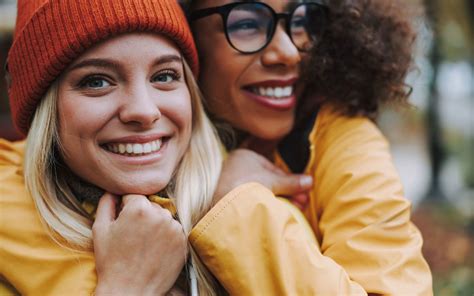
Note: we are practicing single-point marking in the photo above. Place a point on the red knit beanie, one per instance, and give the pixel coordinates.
(50, 34)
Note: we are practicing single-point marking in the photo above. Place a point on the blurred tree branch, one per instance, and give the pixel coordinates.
(435, 141)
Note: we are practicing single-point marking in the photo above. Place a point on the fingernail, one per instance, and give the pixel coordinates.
(306, 181)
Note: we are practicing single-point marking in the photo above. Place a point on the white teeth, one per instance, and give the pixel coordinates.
(134, 148)
(270, 92)
(157, 144)
(276, 92)
(137, 149)
(147, 148)
(121, 148)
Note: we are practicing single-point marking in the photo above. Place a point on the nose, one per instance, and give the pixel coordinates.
(281, 51)
(140, 106)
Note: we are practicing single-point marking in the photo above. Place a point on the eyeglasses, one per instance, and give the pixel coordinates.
(249, 26)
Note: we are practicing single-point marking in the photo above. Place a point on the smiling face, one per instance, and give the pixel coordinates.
(125, 114)
(253, 92)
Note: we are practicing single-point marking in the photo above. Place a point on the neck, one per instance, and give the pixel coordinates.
(83, 190)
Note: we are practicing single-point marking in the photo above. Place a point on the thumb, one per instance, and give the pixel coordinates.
(106, 211)
(289, 185)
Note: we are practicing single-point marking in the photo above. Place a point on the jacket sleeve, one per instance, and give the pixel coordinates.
(360, 214)
(30, 260)
(254, 245)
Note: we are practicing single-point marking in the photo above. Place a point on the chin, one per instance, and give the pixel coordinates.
(142, 188)
(271, 132)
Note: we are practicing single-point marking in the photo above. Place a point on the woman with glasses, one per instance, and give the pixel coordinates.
(299, 82)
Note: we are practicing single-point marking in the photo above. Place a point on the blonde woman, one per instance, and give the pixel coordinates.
(110, 108)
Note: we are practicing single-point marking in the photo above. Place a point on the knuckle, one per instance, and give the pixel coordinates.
(139, 209)
(176, 226)
(164, 214)
(176, 230)
(179, 236)
(298, 184)
(160, 217)
(96, 229)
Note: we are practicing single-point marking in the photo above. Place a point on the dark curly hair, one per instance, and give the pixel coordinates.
(363, 57)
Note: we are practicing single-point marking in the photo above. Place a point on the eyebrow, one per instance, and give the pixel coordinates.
(111, 64)
(99, 63)
(166, 59)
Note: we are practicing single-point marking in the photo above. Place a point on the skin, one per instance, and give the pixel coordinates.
(243, 166)
(128, 89)
(125, 242)
(225, 74)
(223, 77)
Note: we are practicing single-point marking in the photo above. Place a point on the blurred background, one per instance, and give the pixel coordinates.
(432, 143)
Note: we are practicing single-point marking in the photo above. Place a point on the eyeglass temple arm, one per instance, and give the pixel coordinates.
(195, 15)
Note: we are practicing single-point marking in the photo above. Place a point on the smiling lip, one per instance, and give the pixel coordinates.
(137, 150)
(274, 94)
(136, 139)
(274, 83)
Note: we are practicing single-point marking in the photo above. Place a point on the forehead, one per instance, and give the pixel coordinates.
(277, 5)
(133, 42)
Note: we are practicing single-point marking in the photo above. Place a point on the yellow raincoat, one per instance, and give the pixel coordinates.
(357, 210)
(251, 241)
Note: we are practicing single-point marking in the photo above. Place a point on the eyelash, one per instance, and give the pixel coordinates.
(83, 83)
(174, 74)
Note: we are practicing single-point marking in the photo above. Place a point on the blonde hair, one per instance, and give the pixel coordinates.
(195, 178)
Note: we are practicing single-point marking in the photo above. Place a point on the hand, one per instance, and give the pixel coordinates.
(140, 252)
(243, 166)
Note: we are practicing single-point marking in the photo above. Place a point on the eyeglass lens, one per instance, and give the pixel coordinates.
(250, 26)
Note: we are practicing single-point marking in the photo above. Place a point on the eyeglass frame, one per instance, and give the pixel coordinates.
(225, 10)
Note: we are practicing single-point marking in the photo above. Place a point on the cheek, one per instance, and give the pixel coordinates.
(219, 83)
(74, 121)
(70, 126)
(180, 114)
(220, 68)
(186, 119)
(79, 122)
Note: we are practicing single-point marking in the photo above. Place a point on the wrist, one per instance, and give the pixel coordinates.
(104, 289)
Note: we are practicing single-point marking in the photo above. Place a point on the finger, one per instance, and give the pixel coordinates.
(298, 205)
(106, 210)
(132, 198)
(290, 185)
(270, 166)
(306, 182)
(131, 203)
(300, 200)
